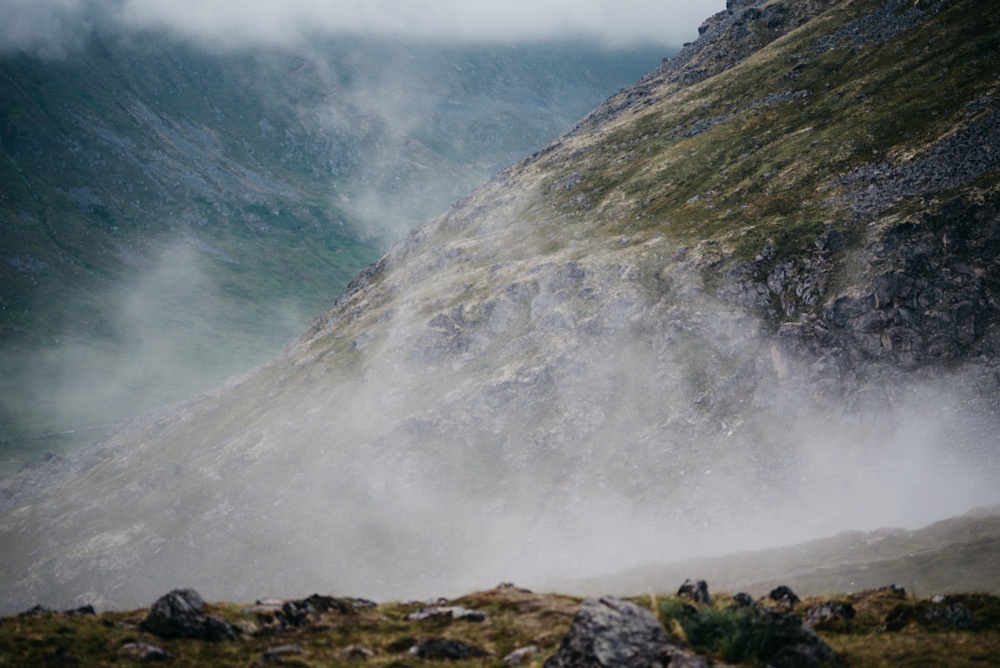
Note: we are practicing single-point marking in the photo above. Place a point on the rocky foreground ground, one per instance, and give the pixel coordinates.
(516, 627)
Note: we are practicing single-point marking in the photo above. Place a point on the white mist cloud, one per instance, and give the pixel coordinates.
(51, 25)
(46, 27)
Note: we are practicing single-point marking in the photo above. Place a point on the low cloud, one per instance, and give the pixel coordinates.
(50, 26)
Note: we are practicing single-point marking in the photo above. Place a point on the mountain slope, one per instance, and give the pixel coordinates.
(170, 216)
(750, 300)
(955, 555)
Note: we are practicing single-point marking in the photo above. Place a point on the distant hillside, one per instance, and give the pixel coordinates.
(961, 554)
(171, 217)
(750, 301)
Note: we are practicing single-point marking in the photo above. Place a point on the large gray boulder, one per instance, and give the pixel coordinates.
(179, 615)
(609, 632)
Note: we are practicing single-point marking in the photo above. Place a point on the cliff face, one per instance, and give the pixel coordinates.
(750, 300)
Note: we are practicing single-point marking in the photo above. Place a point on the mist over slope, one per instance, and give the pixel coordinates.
(171, 215)
(749, 301)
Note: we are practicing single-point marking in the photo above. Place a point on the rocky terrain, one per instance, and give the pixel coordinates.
(511, 626)
(170, 215)
(749, 302)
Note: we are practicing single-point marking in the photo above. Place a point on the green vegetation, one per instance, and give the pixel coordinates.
(888, 627)
(749, 154)
(728, 633)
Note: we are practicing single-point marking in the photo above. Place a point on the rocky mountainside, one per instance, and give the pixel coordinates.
(750, 301)
(171, 216)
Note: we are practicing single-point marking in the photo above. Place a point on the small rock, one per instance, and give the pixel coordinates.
(955, 615)
(356, 653)
(784, 596)
(36, 611)
(140, 651)
(445, 649)
(520, 655)
(696, 591)
(454, 612)
(276, 653)
(829, 611)
(512, 586)
(86, 610)
(743, 600)
(298, 613)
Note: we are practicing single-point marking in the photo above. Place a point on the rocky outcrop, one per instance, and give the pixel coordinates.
(179, 614)
(724, 40)
(611, 633)
(931, 300)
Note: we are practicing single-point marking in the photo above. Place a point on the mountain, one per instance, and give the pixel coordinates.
(172, 216)
(959, 554)
(748, 301)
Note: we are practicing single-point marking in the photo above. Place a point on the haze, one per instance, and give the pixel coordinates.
(52, 27)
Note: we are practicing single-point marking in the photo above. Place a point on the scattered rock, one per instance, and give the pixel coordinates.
(453, 612)
(37, 611)
(301, 612)
(178, 615)
(892, 590)
(610, 632)
(743, 600)
(792, 645)
(829, 611)
(511, 585)
(784, 596)
(696, 591)
(86, 610)
(445, 649)
(520, 655)
(276, 654)
(140, 651)
(954, 615)
(357, 653)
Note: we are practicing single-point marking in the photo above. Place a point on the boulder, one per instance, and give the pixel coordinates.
(143, 652)
(357, 653)
(445, 649)
(792, 645)
(178, 615)
(298, 613)
(696, 591)
(609, 632)
(521, 655)
(279, 653)
(447, 612)
(784, 596)
(829, 611)
(954, 615)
